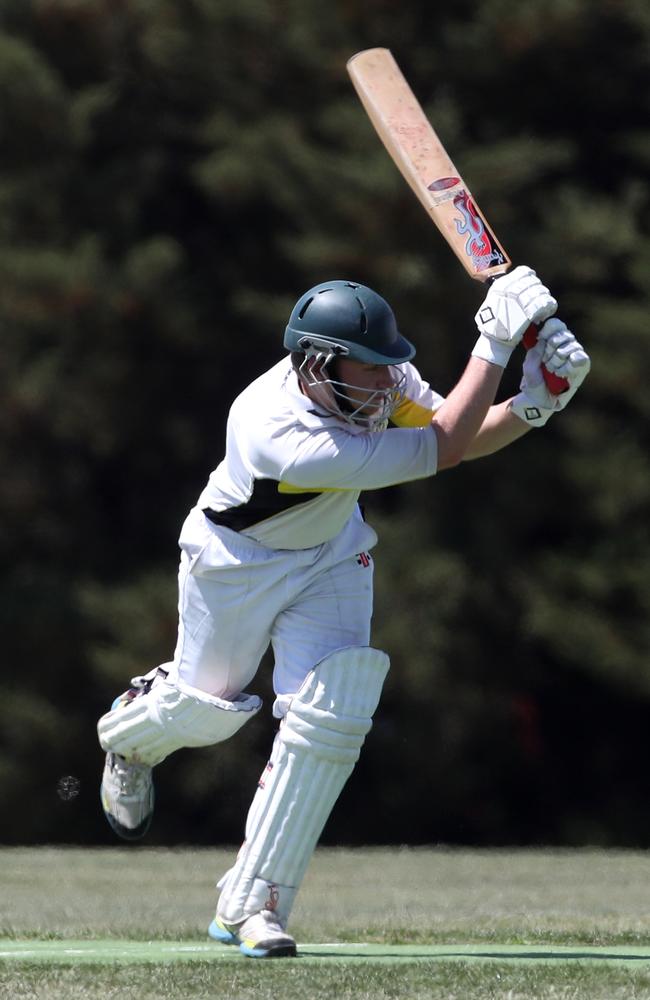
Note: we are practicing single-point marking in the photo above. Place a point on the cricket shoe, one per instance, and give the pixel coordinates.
(127, 797)
(127, 793)
(258, 936)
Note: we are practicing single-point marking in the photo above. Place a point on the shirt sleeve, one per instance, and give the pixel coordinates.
(335, 459)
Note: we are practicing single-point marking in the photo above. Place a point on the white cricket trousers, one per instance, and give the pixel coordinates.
(237, 596)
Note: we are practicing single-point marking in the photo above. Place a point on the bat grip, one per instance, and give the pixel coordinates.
(554, 383)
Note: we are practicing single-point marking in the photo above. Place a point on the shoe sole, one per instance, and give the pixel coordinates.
(137, 833)
(276, 951)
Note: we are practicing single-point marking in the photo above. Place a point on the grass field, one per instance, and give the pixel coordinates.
(385, 923)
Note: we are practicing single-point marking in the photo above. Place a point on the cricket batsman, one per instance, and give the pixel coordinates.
(276, 551)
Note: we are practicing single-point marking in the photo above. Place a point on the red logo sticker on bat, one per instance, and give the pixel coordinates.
(479, 246)
(443, 183)
(442, 189)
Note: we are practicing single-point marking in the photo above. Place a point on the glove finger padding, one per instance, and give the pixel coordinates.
(562, 355)
(568, 366)
(514, 301)
(560, 346)
(535, 404)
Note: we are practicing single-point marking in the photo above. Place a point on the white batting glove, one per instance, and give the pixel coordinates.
(560, 352)
(513, 302)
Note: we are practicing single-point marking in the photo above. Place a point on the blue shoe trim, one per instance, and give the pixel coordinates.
(221, 934)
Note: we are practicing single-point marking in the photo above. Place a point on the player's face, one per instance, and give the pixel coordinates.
(365, 378)
(359, 393)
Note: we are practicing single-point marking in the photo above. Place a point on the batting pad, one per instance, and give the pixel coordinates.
(171, 716)
(315, 751)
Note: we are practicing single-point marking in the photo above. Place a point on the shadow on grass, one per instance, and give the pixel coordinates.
(410, 954)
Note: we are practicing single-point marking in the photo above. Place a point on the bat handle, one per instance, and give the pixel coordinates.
(554, 383)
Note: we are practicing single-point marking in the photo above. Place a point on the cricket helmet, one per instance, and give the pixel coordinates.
(345, 319)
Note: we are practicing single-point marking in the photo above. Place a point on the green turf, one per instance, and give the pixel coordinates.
(291, 980)
(391, 923)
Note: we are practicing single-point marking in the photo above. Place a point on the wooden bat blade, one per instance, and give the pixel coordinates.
(425, 164)
(423, 161)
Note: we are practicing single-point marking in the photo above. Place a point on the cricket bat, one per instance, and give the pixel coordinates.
(425, 164)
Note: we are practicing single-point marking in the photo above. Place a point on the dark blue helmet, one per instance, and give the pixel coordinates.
(345, 319)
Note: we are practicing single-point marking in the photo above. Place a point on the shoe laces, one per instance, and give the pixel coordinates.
(133, 778)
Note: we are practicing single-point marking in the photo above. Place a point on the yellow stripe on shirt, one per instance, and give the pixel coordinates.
(410, 414)
(288, 488)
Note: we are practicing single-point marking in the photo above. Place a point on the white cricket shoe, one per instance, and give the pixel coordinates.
(127, 797)
(259, 936)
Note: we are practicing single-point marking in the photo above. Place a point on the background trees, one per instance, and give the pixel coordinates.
(173, 176)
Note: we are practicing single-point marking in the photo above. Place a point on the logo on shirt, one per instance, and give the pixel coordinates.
(265, 774)
(363, 559)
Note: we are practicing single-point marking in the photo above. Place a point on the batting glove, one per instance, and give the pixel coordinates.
(560, 352)
(513, 302)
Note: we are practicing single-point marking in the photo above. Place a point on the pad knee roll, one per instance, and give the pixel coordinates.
(171, 716)
(332, 712)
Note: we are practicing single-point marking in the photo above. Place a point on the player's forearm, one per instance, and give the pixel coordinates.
(499, 429)
(460, 418)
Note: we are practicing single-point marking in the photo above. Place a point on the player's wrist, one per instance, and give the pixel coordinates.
(494, 351)
(530, 411)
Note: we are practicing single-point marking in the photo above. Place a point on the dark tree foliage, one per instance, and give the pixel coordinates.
(173, 176)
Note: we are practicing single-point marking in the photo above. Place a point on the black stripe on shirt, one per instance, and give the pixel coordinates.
(264, 502)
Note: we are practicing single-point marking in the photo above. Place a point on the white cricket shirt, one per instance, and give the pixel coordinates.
(292, 474)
